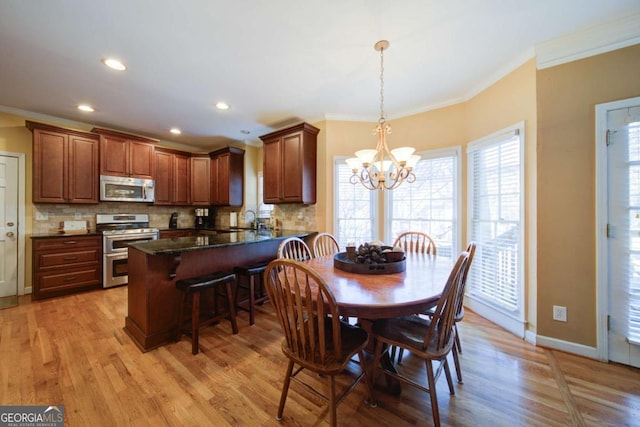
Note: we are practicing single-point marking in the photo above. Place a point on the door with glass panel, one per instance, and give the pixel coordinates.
(623, 188)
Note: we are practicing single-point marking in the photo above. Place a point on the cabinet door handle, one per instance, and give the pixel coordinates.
(69, 279)
(9, 233)
(70, 242)
(71, 258)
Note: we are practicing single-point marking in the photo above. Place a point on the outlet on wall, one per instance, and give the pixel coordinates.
(559, 313)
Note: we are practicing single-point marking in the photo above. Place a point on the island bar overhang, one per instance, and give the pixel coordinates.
(153, 300)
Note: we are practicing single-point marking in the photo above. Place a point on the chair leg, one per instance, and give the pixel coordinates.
(456, 362)
(195, 322)
(285, 390)
(181, 317)
(252, 299)
(447, 373)
(400, 354)
(432, 393)
(232, 309)
(457, 342)
(332, 401)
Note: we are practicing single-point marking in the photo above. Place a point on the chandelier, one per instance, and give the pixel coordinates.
(382, 168)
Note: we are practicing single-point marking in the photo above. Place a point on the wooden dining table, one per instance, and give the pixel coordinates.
(383, 296)
(368, 297)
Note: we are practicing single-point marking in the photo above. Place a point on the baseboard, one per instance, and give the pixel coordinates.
(566, 346)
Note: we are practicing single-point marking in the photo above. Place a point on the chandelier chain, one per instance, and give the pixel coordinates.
(382, 118)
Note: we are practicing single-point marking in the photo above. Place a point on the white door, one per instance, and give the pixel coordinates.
(8, 230)
(623, 188)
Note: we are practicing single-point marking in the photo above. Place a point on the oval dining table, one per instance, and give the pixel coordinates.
(383, 296)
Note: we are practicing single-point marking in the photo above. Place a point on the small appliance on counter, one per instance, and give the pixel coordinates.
(74, 227)
(204, 218)
(173, 221)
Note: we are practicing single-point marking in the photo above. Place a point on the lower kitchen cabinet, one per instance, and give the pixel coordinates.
(65, 265)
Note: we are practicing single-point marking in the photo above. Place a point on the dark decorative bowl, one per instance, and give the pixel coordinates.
(341, 262)
(393, 256)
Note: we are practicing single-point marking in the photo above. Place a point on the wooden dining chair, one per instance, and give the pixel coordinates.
(314, 336)
(459, 314)
(437, 334)
(325, 244)
(415, 242)
(294, 248)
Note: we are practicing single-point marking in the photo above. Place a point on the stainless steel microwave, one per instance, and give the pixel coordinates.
(123, 189)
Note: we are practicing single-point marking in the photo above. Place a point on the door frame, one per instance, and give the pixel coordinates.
(602, 251)
(21, 217)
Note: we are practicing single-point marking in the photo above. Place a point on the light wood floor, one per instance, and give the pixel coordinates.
(72, 351)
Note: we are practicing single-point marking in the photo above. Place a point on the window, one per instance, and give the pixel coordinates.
(495, 217)
(354, 208)
(430, 204)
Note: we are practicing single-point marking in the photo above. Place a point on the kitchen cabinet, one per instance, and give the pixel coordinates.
(65, 165)
(67, 264)
(122, 154)
(200, 180)
(172, 177)
(289, 165)
(227, 177)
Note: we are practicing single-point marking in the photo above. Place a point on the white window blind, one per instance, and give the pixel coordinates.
(495, 221)
(632, 269)
(353, 207)
(430, 204)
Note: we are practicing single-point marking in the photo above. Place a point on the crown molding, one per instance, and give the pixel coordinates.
(591, 41)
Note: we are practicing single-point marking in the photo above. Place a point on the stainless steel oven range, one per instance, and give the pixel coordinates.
(118, 231)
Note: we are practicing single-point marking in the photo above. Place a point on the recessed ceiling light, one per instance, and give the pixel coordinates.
(85, 107)
(115, 64)
(175, 131)
(222, 106)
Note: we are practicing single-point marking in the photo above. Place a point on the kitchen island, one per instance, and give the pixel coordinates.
(156, 265)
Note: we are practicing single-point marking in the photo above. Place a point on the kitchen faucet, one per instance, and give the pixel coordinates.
(253, 222)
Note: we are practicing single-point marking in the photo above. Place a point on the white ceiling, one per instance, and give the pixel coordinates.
(275, 62)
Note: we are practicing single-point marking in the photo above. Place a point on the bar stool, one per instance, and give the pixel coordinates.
(252, 273)
(219, 281)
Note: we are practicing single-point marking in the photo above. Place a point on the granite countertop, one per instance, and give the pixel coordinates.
(213, 239)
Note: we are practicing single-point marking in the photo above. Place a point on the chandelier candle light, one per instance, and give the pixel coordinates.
(382, 168)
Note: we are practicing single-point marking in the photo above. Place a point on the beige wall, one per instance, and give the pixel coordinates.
(567, 95)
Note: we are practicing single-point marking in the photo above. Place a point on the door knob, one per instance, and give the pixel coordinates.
(9, 233)
(10, 224)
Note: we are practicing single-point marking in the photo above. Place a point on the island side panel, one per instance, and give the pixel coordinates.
(153, 300)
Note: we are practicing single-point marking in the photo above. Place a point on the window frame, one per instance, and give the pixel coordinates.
(428, 155)
(373, 205)
(512, 321)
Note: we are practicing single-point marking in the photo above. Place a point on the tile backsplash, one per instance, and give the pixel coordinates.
(47, 217)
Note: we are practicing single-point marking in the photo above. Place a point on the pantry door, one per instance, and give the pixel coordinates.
(8, 231)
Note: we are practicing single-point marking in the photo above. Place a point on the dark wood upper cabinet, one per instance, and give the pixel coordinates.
(200, 180)
(65, 165)
(227, 176)
(289, 165)
(123, 154)
(173, 177)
